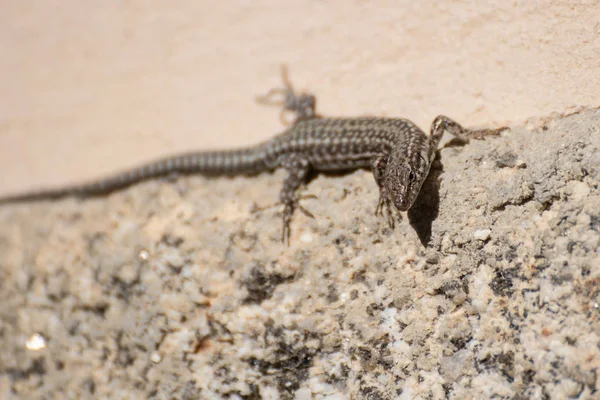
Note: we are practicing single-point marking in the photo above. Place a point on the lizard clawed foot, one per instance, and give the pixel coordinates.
(288, 211)
(256, 209)
(285, 229)
(304, 211)
(384, 209)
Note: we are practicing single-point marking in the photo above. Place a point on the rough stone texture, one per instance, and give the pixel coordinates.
(176, 289)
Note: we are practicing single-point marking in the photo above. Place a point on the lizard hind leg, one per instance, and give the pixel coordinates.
(297, 167)
(303, 104)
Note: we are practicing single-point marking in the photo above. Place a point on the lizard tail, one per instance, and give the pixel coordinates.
(233, 162)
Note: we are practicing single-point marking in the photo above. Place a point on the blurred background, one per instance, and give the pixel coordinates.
(89, 88)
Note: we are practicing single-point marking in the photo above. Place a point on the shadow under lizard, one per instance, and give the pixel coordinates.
(396, 150)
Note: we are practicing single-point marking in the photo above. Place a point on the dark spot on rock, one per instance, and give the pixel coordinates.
(184, 391)
(289, 363)
(595, 222)
(511, 253)
(172, 240)
(90, 385)
(203, 343)
(333, 294)
(450, 289)
(543, 265)
(364, 353)
(335, 379)
(380, 352)
(254, 393)
(528, 376)
(503, 362)
(342, 242)
(504, 160)
(447, 389)
(359, 276)
(373, 308)
(560, 279)
(586, 271)
(221, 372)
(460, 342)
(371, 393)
(37, 367)
(502, 284)
(260, 286)
(97, 309)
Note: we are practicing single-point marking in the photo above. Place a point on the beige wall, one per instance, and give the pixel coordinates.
(87, 88)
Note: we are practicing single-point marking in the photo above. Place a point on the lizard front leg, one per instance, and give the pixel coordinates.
(297, 167)
(378, 165)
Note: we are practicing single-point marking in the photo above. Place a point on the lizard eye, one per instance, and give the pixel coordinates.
(411, 177)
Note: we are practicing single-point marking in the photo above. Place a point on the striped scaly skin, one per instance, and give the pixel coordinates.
(396, 150)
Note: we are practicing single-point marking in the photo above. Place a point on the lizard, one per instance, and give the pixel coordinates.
(398, 153)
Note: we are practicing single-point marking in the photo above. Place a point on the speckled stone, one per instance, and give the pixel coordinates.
(489, 288)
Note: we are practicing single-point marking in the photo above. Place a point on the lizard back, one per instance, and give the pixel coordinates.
(332, 144)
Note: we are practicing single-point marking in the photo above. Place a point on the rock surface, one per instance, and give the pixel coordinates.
(489, 288)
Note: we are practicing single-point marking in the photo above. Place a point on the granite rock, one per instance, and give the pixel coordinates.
(488, 288)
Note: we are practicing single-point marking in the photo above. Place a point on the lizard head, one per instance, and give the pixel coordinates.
(403, 179)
